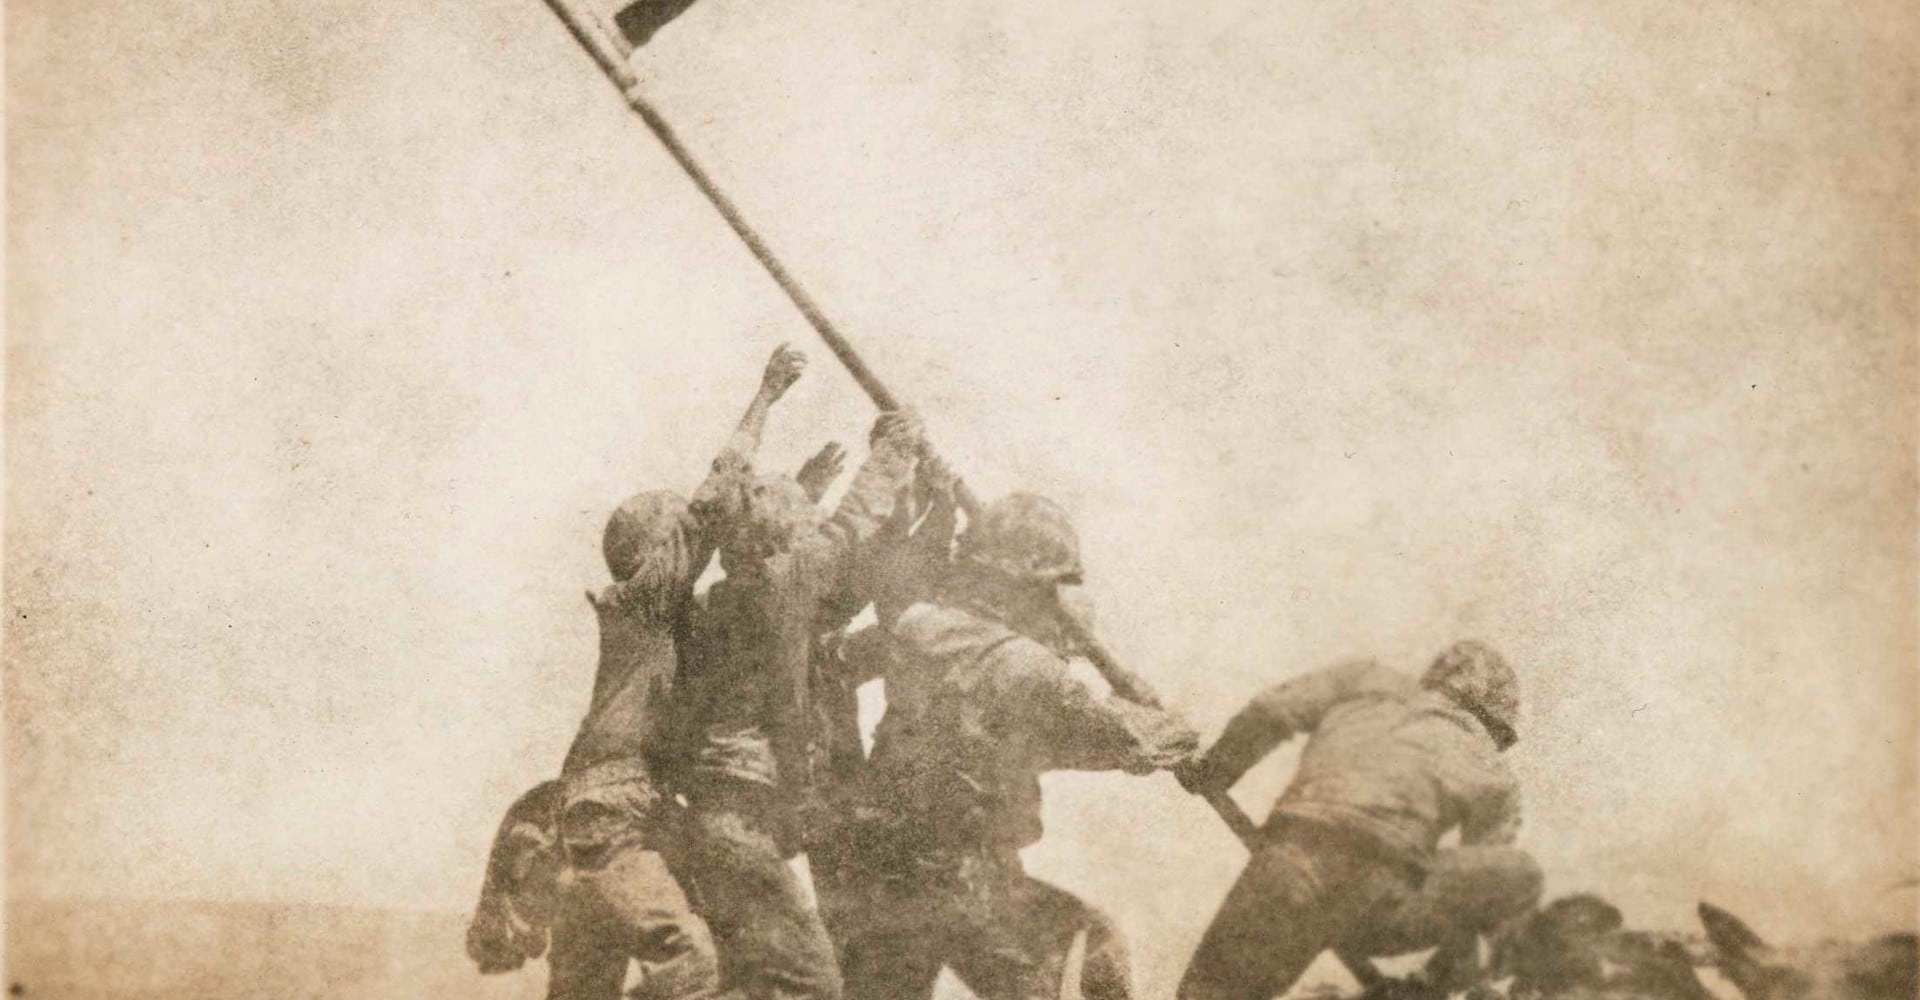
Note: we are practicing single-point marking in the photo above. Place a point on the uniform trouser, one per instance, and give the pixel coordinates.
(773, 945)
(1006, 935)
(1467, 892)
(623, 903)
(1310, 888)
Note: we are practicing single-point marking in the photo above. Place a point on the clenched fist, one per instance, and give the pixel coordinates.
(783, 370)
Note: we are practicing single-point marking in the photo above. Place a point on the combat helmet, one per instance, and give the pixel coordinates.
(1480, 681)
(1025, 537)
(648, 529)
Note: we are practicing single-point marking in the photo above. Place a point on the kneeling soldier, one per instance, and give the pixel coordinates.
(1350, 859)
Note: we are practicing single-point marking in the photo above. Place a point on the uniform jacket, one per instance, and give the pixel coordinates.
(751, 684)
(1388, 759)
(621, 743)
(976, 712)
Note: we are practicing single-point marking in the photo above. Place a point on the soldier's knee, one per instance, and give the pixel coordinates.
(1520, 885)
(1484, 886)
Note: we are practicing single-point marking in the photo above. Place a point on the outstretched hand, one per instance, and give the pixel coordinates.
(783, 370)
(819, 472)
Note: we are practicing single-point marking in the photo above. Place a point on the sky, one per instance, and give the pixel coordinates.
(335, 330)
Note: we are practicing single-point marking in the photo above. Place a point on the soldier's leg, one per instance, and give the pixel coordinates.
(580, 964)
(1297, 897)
(1468, 892)
(650, 914)
(837, 889)
(1106, 971)
(884, 921)
(891, 953)
(773, 945)
(625, 902)
(1015, 934)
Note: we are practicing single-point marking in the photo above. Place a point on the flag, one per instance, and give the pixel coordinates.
(637, 21)
(625, 25)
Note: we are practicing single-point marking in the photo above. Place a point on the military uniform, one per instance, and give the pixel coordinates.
(760, 754)
(976, 711)
(1349, 859)
(617, 823)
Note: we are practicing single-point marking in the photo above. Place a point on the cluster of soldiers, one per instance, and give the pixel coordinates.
(723, 740)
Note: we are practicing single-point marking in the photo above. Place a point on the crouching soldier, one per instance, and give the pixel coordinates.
(760, 749)
(980, 702)
(1349, 860)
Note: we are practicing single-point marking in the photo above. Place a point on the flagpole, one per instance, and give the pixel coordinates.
(613, 62)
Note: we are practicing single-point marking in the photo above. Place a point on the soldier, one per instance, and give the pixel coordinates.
(980, 702)
(609, 813)
(1350, 857)
(760, 746)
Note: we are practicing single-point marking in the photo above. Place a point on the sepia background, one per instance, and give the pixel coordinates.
(336, 329)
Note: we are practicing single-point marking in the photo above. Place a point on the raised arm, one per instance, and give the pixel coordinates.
(723, 496)
(783, 369)
(1277, 714)
(904, 560)
(937, 490)
(870, 499)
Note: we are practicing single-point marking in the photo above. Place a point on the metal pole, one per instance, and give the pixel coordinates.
(613, 62)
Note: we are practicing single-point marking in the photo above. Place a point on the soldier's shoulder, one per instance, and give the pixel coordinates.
(1367, 675)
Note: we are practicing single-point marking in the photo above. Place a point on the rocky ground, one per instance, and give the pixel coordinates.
(1577, 948)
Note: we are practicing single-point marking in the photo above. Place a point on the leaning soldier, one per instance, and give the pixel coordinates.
(980, 702)
(1350, 857)
(760, 752)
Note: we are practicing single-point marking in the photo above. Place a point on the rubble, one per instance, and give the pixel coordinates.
(1577, 948)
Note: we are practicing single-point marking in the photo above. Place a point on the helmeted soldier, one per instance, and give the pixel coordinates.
(610, 819)
(1350, 859)
(980, 702)
(759, 750)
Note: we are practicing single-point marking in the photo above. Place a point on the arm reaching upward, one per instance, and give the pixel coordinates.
(783, 369)
(897, 442)
(722, 498)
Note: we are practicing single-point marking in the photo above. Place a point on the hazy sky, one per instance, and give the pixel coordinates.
(337, 328)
